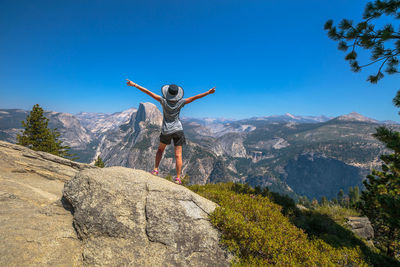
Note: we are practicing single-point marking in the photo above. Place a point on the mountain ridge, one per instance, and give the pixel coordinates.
(256, 151)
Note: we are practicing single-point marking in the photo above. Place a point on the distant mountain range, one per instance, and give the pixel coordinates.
(297, 155)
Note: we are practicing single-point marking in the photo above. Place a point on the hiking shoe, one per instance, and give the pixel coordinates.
(178, 180)
(154, 172)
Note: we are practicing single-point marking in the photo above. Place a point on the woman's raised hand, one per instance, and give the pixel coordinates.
(211, 91)
(129, 83)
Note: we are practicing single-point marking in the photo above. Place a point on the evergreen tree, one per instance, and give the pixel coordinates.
(300, 200)
(258, 190)
(346, 201)
(380, 202)
(340, 197)
(303, 200)
(351, 192)
(324, 201)
(383, 43)
(99, 162)
(39, 137)
(354, 195)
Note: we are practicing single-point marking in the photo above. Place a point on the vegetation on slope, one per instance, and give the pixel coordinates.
(263, 233)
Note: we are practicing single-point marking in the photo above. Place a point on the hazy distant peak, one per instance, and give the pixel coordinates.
(127, 111)
(287, 114)
(89, 113)
(288, 117)
(389, 122)
(354, 116)
(207, 120)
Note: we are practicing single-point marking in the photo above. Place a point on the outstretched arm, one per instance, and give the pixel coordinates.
(144, 90)
(193, 98)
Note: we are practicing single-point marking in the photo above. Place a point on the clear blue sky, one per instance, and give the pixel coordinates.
(264, 57)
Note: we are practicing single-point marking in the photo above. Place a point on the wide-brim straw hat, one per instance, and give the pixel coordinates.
(168, 91)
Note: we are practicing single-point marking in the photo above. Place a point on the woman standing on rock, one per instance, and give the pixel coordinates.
(171, 101)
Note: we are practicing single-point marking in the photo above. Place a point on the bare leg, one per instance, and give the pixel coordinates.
(160, 151)
(178, 158)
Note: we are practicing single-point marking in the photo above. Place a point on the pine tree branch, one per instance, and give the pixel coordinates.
(379, 59)
(354, 45)
(383, 63)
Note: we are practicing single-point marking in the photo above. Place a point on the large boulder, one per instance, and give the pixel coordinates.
(130, 217)
(361, 226)
(35, 228)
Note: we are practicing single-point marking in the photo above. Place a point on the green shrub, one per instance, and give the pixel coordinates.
(185, 179)
(328, 223)
(254, 228)
(337, 212)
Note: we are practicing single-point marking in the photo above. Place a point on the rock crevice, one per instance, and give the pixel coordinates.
(147, 218)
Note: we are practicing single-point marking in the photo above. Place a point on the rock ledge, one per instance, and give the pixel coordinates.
(130, 217)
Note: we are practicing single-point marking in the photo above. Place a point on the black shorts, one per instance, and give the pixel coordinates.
(179, 138)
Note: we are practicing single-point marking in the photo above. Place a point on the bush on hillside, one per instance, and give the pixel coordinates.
(185, 179)
(99, 162)
(254, 228)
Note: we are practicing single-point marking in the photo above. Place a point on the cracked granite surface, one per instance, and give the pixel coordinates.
(130, 217)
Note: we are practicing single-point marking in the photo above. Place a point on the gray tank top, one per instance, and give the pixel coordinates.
(171, 110)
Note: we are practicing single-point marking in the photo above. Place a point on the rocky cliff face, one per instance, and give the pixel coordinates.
(35, 228)
(99, 123)
(72, 132)
(148, 113)
(109, 217)
(134, 143)
(315, 175)
(232, 145)
(10, 123)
